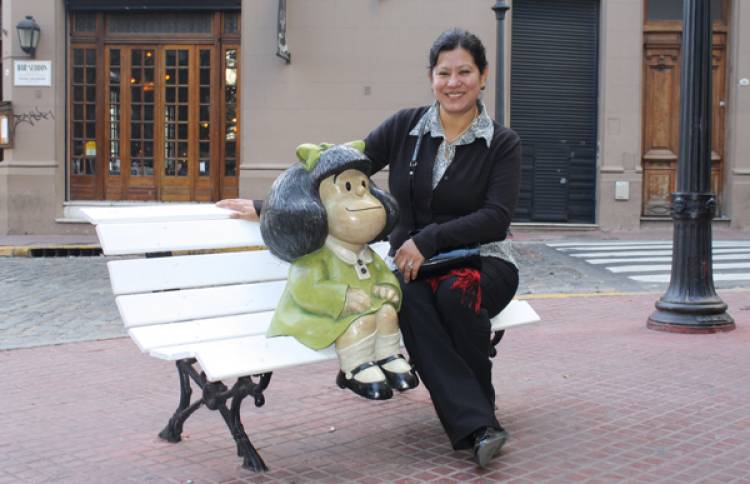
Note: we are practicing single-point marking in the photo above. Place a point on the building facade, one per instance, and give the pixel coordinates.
(168, 101)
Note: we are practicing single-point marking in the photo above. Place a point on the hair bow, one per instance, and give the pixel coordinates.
(309, 154)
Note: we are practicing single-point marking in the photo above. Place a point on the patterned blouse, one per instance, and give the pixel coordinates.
(481, 127)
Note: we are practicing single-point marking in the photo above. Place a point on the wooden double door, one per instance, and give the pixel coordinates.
(661, 126)
(164, 129)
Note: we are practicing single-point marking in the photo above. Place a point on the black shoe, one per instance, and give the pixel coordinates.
(487, 443)
(399, 381)
(379, 390)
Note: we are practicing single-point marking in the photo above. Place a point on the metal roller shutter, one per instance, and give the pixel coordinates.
(554, 90)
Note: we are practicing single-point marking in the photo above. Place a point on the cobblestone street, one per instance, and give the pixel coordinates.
(66, 299)
(55, 300)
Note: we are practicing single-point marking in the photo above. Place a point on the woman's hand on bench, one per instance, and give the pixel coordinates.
(242, 208)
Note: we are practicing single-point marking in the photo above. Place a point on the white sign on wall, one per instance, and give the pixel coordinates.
(32, 73)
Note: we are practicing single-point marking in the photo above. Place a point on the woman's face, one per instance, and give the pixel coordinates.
(354, 214)
(456, 81)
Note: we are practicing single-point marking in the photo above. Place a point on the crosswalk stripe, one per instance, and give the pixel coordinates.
(716, 243)
(644, 247)
(742, 276)
(651, 261)
(663, 259)
(618, 247)
(668, 267)
(650, 252)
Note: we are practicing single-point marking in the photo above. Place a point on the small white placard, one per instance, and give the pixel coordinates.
(4, 138)
(32, 73)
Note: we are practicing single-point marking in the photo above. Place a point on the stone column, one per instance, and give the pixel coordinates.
(620, 119)
(737, 191)
(32, 175)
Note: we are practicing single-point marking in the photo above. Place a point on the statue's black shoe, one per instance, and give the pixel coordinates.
(399, 381)
(487, 443)
(379, 390)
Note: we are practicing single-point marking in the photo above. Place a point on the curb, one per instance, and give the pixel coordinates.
(51, 250)
(89, 250)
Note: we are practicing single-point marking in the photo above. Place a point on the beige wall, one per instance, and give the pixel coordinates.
(620, 113)
(381, 46)
(33, 171)
(353, 64)
(737, 180)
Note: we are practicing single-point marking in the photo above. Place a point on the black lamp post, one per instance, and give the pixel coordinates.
(501, 6)
(28, 35)
(690, 304)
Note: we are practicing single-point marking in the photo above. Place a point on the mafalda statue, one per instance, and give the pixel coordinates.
(320, 215)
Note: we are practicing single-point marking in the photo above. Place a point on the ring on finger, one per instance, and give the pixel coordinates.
(410, 264)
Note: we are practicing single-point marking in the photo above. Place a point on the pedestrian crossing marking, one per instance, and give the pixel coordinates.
(667, 267)
(651, 261)
(716, 243)
(742, 276)
(650, 252)
(663, 259)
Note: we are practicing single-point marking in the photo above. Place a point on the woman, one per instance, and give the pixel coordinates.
(463, 191)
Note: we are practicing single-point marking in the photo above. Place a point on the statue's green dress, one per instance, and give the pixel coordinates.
(311, 305)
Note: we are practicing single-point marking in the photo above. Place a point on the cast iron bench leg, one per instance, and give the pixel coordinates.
(173, 431)
(243, 387)
(495, 340)
(215, 396)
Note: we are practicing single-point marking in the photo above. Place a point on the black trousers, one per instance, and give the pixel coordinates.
(449, 346)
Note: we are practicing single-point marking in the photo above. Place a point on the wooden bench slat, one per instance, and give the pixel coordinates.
(141, 238)
(157, 212)
(171, 334)
(209, 302)
(244, 356)
(142, 275)
(516, 313)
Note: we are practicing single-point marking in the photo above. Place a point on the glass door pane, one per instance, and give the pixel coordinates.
(142, 104)
(84, 112)
(230, 112)
(114, 112)
(176, 112)
(83, 123)
(204, 103)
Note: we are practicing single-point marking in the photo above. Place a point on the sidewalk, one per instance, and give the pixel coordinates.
(22, 245)
(588, 395)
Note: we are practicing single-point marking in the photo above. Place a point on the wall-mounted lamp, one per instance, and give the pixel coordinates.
(28, 35)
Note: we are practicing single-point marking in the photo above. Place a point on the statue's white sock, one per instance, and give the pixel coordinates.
(388, 345)
(354, 355)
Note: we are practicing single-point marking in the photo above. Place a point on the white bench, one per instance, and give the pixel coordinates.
(210, 309)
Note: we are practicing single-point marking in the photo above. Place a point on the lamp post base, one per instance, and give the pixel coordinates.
(690, 318)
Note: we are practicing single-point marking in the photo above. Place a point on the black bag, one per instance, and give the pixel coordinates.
(443, 262)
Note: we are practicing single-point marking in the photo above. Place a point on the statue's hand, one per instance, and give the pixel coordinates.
(357, 301)
(387, 293)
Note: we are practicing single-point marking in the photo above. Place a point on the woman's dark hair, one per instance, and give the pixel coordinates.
(294, 221)
(454, 38)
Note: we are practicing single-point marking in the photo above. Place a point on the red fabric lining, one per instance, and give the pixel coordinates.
(468, 281)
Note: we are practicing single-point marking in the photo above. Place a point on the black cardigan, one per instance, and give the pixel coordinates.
(475, 199)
